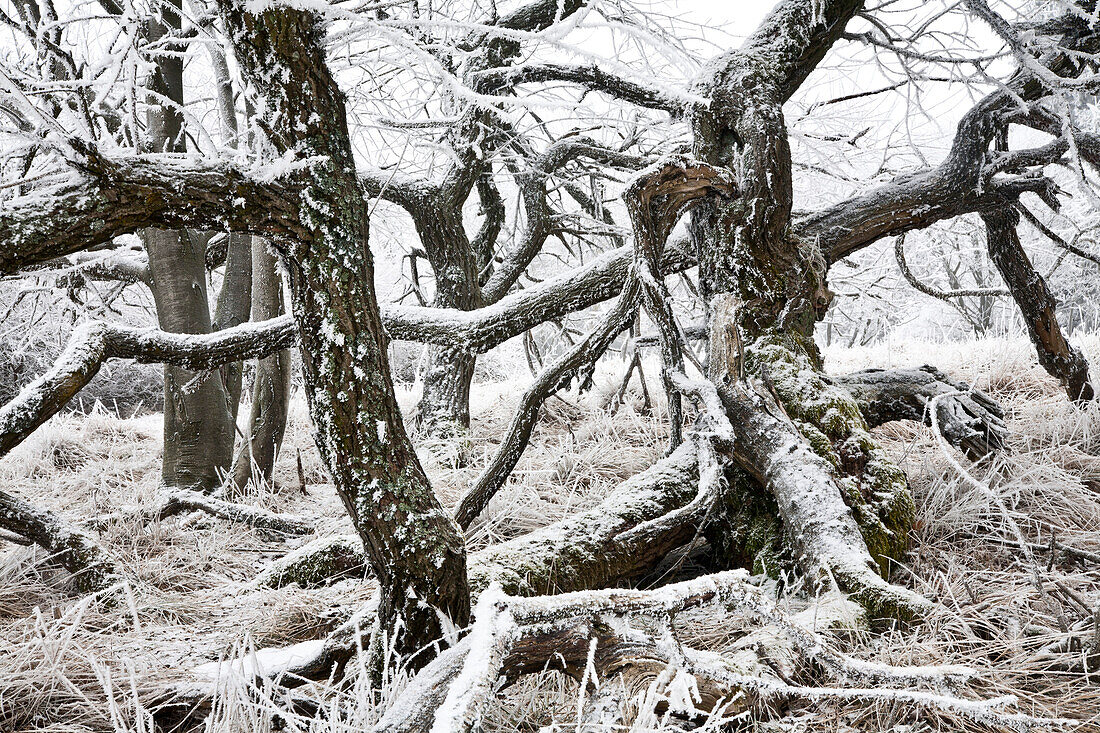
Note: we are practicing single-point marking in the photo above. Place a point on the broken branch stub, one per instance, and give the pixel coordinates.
(658, 196)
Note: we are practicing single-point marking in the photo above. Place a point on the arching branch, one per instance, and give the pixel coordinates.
(1050, 234)
(573, 363)
(899, 255)
(594, 78)
(91, 344)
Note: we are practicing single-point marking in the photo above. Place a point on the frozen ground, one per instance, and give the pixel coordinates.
(74, 664)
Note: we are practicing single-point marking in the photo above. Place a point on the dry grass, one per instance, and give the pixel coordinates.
(76, 664)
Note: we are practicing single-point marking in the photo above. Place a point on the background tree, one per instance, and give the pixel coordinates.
(198, 411)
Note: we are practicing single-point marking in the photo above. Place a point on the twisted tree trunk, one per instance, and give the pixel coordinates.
(812, 486)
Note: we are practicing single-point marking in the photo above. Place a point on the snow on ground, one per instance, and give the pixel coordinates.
(73, 664)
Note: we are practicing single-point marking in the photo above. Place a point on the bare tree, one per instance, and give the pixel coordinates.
(780, 452)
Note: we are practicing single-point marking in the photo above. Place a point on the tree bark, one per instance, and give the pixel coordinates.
(92, 568)
(198, 425)
(234, 300)
(444, 406)
(971, 421)
(198, 422)
(1061, 359)
(271, 385)
(816, 488)
(415, 548)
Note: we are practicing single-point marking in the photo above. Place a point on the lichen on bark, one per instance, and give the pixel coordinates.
(872, 485)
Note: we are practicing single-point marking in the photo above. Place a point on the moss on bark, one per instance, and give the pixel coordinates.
(750, 533)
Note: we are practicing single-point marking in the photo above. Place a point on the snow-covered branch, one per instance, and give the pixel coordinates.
(125, 194)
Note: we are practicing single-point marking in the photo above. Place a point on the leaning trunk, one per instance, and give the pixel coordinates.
(1061, 359)
(415, 549)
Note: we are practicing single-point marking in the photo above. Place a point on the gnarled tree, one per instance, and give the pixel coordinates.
(779, 469)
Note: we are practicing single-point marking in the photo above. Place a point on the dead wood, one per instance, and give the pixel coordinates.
(70, 547)
(972, 422)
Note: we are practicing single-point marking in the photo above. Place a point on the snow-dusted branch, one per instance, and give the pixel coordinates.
(91, 344)
(258, 517)
(121, 195)
(478, 331)
(970, 179)
(594, 78)
(573, 363)
(903, 265)
(69, 546)
(1060, 358)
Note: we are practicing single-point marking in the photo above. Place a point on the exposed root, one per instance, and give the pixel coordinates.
(180, 502)
(628, 635)
(257, 517)
(824, 535)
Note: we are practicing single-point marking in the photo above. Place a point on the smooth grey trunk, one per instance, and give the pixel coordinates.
(234, 303)
(234, 300)
(198, 424)
(271, 385)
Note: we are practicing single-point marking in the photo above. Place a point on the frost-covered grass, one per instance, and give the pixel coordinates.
(79, 664)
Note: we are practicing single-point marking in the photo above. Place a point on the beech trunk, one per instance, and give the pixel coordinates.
(198, 423)
(271, 385)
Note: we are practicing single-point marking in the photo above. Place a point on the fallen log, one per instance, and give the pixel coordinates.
(92, 568)
(972, 422)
